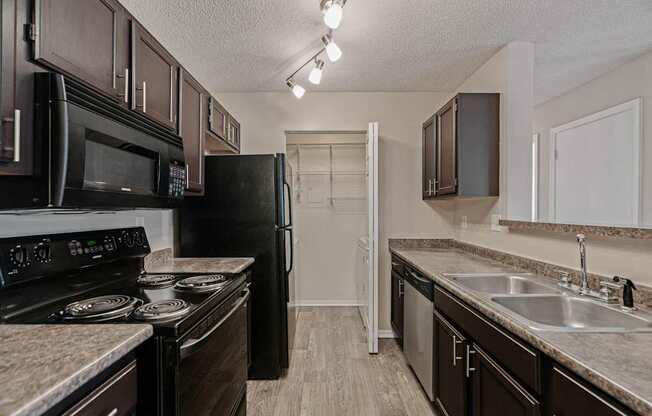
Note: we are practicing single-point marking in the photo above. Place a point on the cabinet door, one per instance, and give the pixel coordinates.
(429, 165)
(154, 90)
(449, 377)
(585, 400)
(397, 305)
(234, 133)
(10, 140)
(217, 119)
(447, 142)
(495, 392)
(84, 39)
(192, 131)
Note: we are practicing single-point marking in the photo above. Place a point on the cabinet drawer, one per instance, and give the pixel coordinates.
(585, 400)
(118, 396)
(521, 360)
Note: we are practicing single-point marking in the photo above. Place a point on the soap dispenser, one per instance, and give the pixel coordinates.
(628, 292)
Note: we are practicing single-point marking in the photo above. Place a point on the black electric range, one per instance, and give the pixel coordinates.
(200, 321)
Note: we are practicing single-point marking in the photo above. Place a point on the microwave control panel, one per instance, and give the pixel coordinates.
(177, 181)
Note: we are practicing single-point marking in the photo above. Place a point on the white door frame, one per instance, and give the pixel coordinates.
(372, 149)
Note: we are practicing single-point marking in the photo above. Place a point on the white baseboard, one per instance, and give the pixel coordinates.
(327, 302)
(386, 333)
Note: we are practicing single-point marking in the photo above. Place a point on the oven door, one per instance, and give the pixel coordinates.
(211, 375)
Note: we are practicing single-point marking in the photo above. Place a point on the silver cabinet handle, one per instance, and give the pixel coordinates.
(144, 91)
(16, 135)
(187, 175)
(125, 96)
(113, 412)
(469, 369)
(455, 357)
(401, 287)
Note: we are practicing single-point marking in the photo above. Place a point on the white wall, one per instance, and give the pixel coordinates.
(157, 223)
(623, 84)
(265, 117)
(607, 256)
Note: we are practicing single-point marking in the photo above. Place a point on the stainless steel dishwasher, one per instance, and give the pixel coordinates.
(418, 327)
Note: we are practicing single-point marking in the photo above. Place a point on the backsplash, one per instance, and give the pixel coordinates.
(158, 223)
(642, 296)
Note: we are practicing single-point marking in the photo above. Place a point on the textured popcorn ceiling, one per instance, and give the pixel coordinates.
(395, 45)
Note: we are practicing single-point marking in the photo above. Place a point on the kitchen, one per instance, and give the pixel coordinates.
(177, 164)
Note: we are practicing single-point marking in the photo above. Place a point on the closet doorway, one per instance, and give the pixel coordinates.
(335, 189)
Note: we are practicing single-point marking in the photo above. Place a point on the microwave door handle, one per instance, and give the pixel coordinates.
(58, 171)
(193, 344)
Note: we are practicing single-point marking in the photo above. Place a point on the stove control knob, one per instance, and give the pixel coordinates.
(18, 256)
(42, 252)
(127, 239)
(138, 238)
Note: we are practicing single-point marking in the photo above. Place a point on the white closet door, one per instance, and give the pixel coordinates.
(372, 183)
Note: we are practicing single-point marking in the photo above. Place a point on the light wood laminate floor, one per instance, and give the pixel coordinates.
(331, 373)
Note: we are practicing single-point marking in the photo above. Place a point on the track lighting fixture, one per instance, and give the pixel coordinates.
(315, 74)
(332, 10)
(332, 50)
(297, 89)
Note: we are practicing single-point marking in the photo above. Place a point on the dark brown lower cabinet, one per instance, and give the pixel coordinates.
(494, 391)
(397, 305)
(118, 396)
(568, 396)
(449, 378)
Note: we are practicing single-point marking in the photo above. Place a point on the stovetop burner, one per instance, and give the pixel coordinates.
(101, 308)
(156, 280)
(161, 310)
(203, 283)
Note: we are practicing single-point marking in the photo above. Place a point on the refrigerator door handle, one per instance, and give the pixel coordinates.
(291, 250)
(289, 195)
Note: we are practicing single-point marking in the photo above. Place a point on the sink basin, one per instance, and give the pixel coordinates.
(572, 314)
(501, 283)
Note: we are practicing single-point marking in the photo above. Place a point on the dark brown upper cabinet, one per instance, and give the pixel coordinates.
(11, 155)
(223, 131)
(154, 87)
(461, 148)
(217, 119)
(429, 139)
(191, 130)
(234, 133)
(88, 40)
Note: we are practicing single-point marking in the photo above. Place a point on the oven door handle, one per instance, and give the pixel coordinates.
(190, 346)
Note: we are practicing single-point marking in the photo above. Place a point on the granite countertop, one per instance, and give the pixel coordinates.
(43, 364)
(618, 363)
(163, 262)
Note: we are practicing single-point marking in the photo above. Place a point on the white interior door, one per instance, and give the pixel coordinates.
(372, 288)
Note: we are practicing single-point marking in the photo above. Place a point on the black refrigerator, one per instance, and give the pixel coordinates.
(246, 211)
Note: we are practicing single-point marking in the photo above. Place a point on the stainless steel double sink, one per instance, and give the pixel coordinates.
(546, 307)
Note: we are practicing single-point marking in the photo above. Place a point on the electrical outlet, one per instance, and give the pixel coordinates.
(465, 222)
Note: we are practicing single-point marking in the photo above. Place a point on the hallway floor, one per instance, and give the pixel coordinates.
(331, 373)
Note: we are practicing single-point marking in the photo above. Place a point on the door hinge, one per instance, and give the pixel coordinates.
(32, 31)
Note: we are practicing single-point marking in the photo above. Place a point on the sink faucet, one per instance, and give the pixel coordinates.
(584, 277)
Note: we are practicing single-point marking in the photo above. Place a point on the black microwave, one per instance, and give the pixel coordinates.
(101, 155)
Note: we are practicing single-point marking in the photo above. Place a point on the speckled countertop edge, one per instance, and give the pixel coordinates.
(566, 358)
(47, 396)
(162, 261)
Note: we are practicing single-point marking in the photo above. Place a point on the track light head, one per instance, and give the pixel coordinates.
(332, 50)
(332, 10)
(316, 73)
(296, 89)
